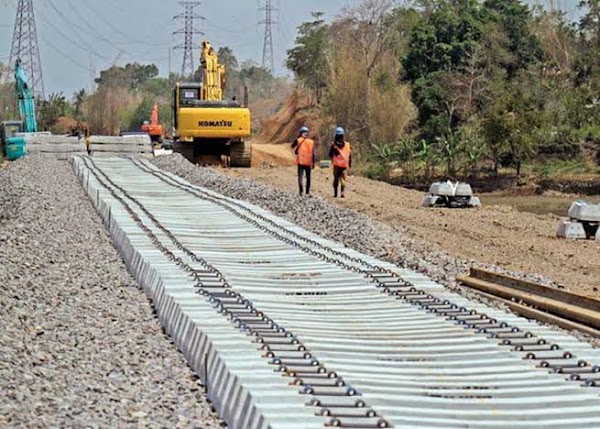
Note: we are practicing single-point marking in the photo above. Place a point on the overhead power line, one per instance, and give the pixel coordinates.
(82, 45)
(64, 55)
(84, 28)
(189, 18)
(268, 57)
(25, 47)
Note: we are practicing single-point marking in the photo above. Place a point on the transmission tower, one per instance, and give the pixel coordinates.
(189, 17)
(25, 47)
(268, 57)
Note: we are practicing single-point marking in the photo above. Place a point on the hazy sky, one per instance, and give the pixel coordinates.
(80, 37)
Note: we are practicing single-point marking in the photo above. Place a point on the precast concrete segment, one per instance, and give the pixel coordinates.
(398, 353)
(245, 391)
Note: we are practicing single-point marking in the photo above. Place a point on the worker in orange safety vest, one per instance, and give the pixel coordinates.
(341, 155)
(305, 158)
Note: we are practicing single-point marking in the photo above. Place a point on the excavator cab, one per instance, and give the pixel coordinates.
(8, 129)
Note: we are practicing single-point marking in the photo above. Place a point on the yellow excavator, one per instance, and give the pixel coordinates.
(209, 129)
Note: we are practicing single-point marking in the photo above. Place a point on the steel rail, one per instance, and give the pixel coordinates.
(386, 338)
(562, 308)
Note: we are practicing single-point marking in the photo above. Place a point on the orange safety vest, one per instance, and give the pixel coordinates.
(342, 158)
(304, 152)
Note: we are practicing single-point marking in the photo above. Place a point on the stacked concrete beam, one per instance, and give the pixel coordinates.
(59, 147)
(583, 222)
(106, 146)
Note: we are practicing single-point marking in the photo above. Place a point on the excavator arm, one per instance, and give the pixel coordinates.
(26, 102)
(213, 74)
(154, 116)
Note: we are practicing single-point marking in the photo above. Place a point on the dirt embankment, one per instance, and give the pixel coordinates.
(278, 131)
(284, 125)
(497, 235)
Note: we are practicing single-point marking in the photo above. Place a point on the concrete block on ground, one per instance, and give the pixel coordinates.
(56, 147)
(598, 234)
(474, 202)
(571, 230)
(463, 190)
(35, 139)
(444, 189)
(127, 145)
(60, 147)
(162, 152)
(140, 140)
(120, 148)
(325, 164)
(429, 201)
(582, 210)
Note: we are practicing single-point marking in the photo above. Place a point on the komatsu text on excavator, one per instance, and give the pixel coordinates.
(209, 129)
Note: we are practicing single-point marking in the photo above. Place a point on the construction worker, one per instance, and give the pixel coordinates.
(305, 157)
(341, 155)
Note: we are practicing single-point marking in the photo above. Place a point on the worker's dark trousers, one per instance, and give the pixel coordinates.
(339, 180)
(302, 169)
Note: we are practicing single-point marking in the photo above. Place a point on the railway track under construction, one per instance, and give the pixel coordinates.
(289, 330)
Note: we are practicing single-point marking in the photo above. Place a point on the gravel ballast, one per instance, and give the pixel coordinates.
(79, 343)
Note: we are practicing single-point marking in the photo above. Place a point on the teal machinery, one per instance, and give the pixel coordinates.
(11, 131)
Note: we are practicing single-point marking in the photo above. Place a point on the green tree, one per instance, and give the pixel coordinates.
(443, 40)
(441, 62)
(132, 76)
(515, 124)
(3, 70)
(79, 99)
(515, 20)
(142, 113)
(308, 59)
(425, 154)
(259, 80)
(51, 109)
(227, 58)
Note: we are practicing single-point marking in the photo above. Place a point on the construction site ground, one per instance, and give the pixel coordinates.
(498, 235)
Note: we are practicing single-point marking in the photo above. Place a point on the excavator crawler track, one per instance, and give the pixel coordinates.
(241, 155)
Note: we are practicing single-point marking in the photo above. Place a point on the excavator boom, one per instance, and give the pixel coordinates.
(154, 117)
(26, 103)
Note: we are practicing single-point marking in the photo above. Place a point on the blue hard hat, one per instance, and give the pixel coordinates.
(304, 129)
(339, 131)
